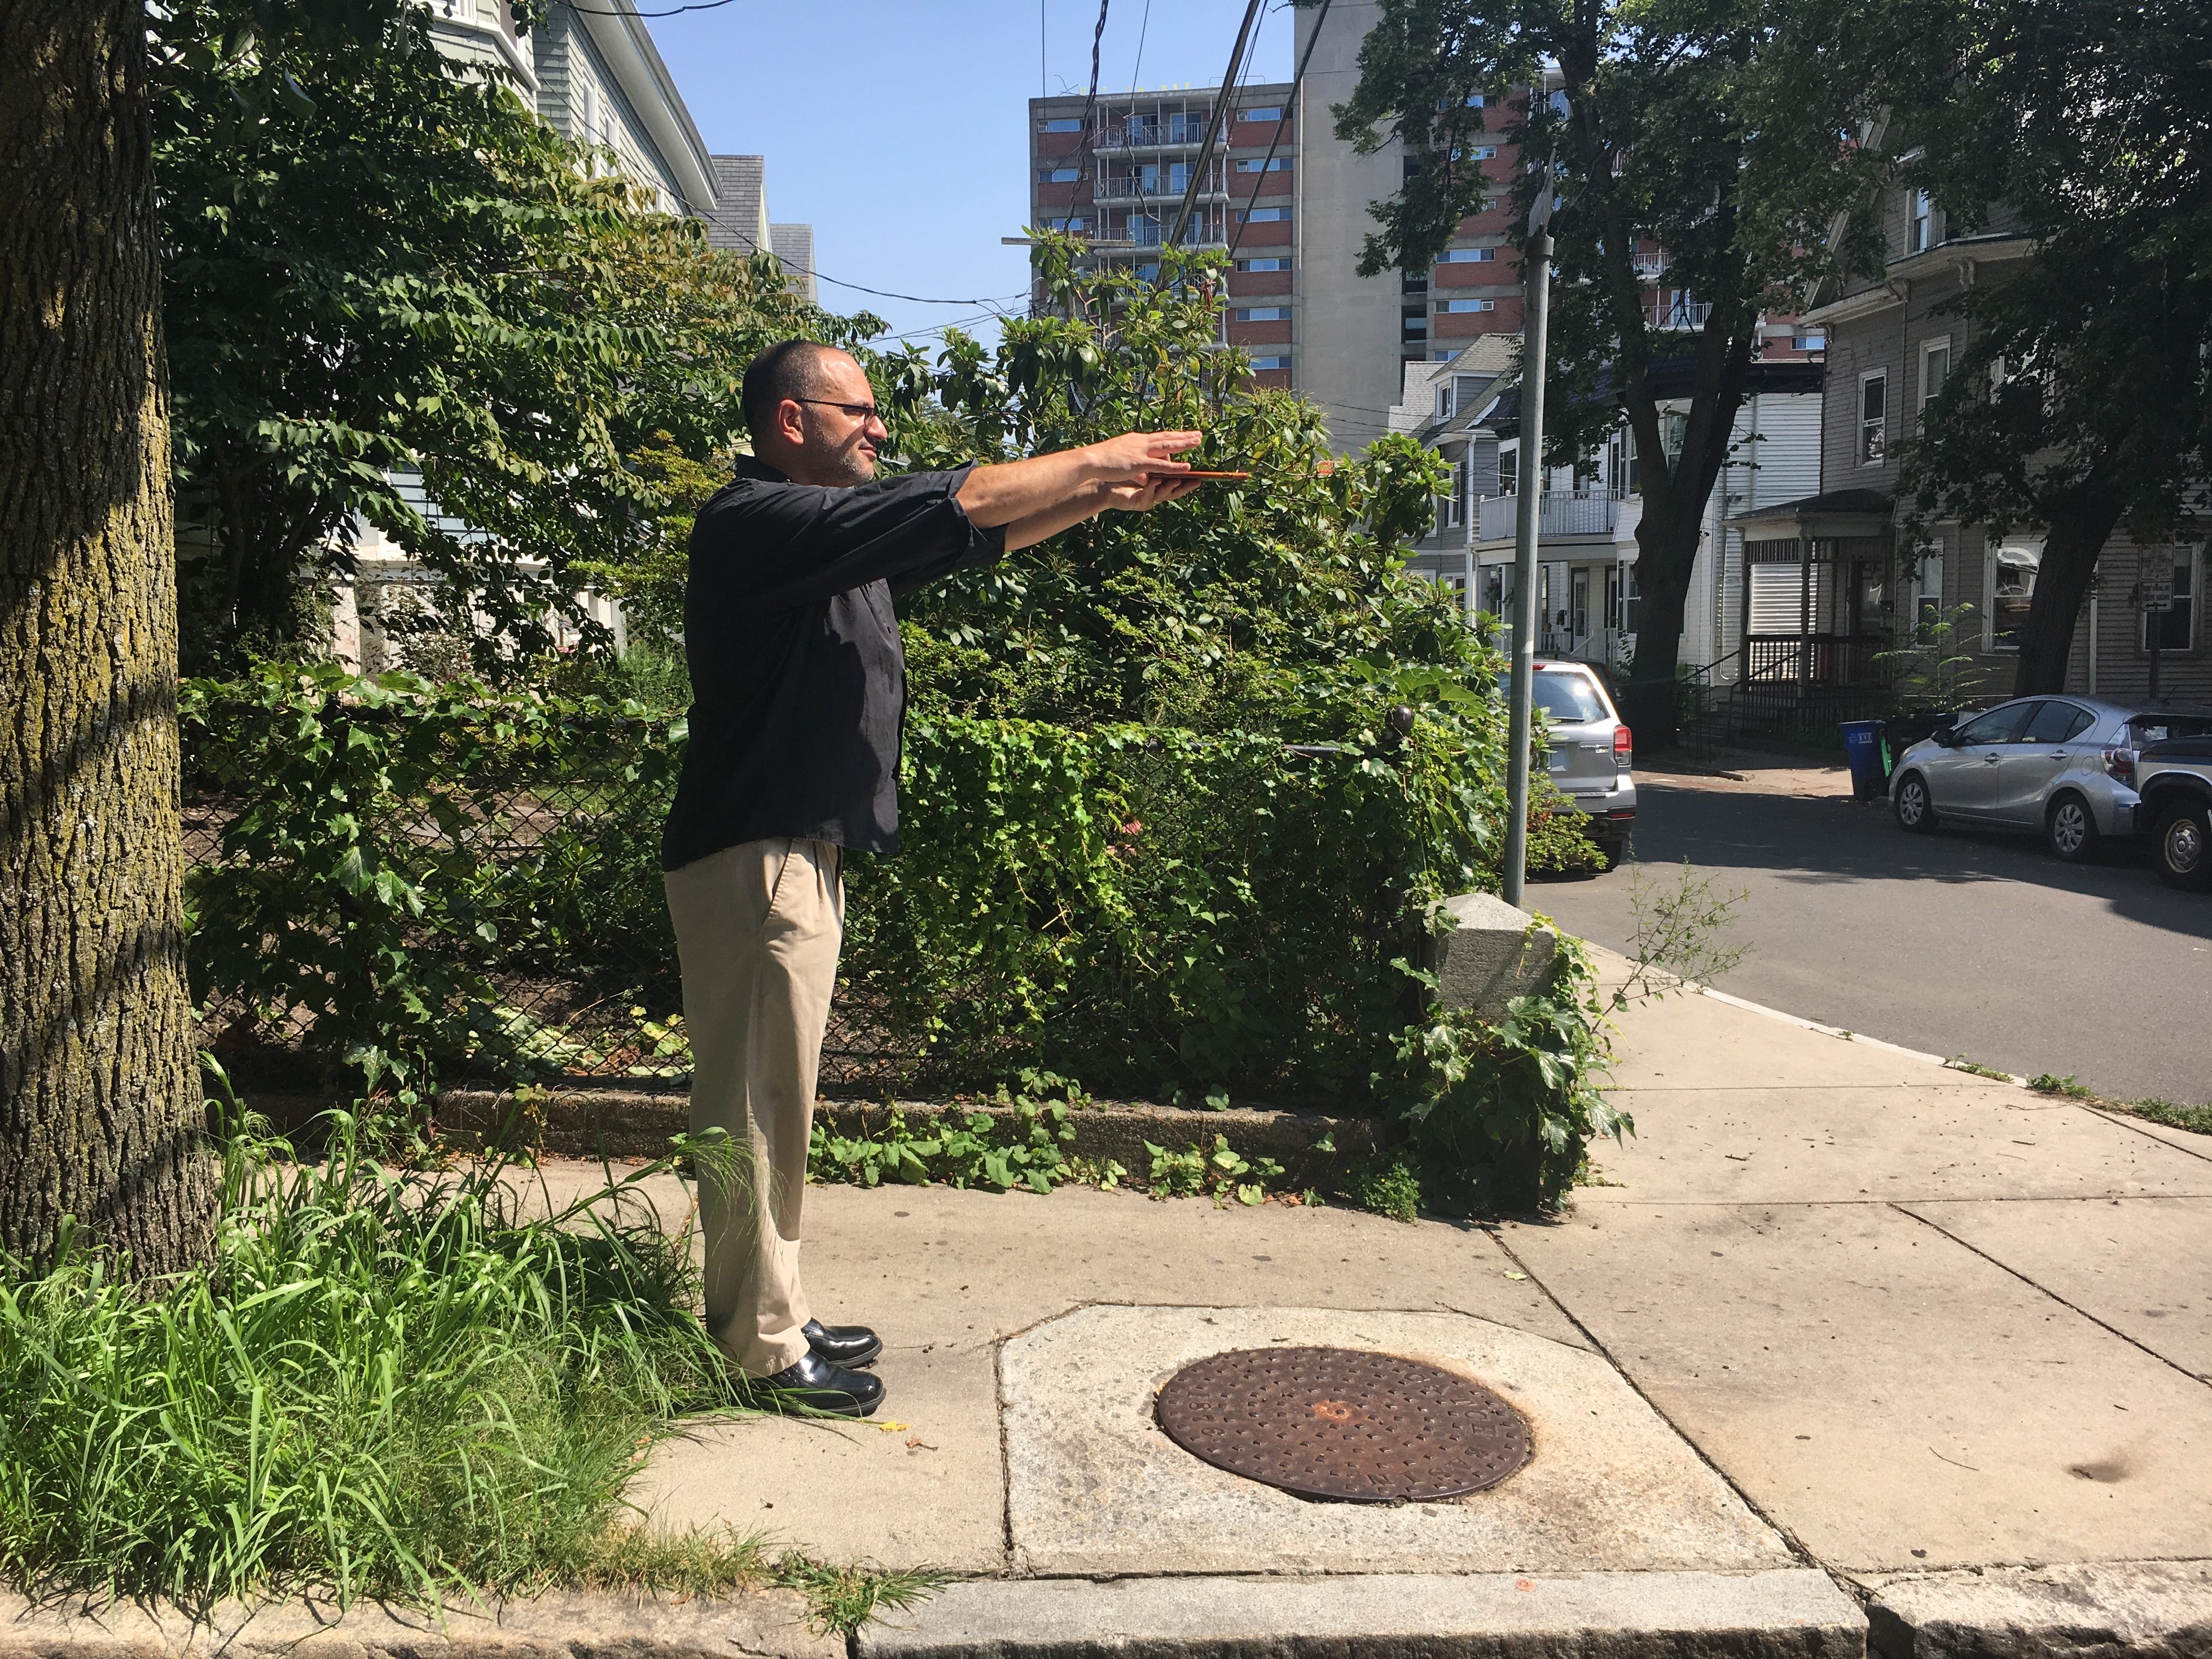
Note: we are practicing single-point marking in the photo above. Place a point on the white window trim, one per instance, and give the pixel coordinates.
(1859, 420)
(1928, 349)
(1990, 551)
(2194, 559)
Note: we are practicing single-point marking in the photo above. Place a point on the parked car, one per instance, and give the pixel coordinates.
(2175, 781)
(1590, 751)
(2062, 766)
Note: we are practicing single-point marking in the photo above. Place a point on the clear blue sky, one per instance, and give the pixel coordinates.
(898, 128)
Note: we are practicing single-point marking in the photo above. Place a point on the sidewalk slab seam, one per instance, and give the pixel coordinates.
(2036, 1284)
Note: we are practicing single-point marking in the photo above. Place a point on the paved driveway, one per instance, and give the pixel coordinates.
(1963, 943)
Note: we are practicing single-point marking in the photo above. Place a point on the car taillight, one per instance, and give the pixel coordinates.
(1624, 747)
(2120, 764)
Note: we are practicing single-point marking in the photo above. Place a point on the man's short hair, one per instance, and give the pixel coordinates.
(789, 368)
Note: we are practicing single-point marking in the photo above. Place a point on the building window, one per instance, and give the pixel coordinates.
(1509, 467)
(1413, 281)
(1811, 339)
(1935, 367)
(2175, 629)
(1479, 153)
(1467, 256)
(1269, 113)
(1414, 327)
(1060, 124)
(1263, 264)
(1280, 164)
(1072, 224)
(1266, 217)
(1443, 403)
(2013, 565)
(1270, 362)
(1920, 223)
(1466, 305)
(1263, 313)
(1874, 418)
(1058, 175)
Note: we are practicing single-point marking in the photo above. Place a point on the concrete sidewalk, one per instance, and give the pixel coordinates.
(1927, 1333)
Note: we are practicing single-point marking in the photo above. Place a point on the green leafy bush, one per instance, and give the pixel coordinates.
(382, 1384)
(1501, 1113)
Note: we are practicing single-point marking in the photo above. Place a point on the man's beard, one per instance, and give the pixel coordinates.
(844, 468)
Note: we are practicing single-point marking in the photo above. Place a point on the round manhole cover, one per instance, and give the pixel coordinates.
(1336, 1423)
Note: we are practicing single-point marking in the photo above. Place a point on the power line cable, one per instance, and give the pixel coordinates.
(1291, 108)
(1213, 123)
(1137, 70)
(746, 236)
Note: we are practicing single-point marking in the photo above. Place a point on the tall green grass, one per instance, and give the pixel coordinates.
(385, 1383)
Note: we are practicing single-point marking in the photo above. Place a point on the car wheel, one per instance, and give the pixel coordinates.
(1915, 811)
(2182, 847)
(2071, 829)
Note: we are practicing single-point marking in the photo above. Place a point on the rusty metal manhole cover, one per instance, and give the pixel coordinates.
(1337, 1423)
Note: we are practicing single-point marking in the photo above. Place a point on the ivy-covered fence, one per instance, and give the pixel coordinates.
(394, 875)
(403, 881)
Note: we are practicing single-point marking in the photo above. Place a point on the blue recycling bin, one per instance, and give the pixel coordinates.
(1862, 748)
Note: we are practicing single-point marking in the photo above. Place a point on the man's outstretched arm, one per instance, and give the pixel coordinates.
(1070, 481)
(1127, 498)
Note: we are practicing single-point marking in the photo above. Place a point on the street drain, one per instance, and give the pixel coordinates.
(1337, 1423)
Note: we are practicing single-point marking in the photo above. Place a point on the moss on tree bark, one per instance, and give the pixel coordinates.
(99, 1113)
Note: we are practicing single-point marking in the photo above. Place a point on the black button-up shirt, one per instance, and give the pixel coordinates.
(798, 679)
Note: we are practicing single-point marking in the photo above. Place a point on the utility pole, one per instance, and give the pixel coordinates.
(1528, 479)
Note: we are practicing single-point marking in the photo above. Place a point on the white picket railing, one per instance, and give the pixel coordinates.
(1560, 513)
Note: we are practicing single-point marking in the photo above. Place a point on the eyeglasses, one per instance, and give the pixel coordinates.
(858, 411)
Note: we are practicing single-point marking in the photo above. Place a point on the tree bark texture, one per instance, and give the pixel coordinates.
(2081, 519)
(99, 1108)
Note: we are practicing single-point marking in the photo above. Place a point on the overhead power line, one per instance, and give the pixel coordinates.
(1290, 108)
(1213, 123)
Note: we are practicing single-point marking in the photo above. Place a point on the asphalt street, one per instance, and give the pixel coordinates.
(1964, 943)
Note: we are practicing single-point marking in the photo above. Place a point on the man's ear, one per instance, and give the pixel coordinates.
(790, 422)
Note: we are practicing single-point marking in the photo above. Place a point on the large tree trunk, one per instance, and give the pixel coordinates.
(1666, 551)
(2082, 519)
(100, 1110)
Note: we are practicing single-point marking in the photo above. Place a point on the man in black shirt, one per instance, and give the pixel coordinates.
(798, 688)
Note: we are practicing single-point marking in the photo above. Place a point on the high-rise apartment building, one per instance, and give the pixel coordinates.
(1298, 220)
(1289, 199)
(1119, 180)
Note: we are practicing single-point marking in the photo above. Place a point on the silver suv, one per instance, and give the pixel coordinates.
(2063, 766)
(1589, 750)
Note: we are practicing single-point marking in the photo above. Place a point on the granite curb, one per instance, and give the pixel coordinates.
(2085, 1610)
(1794, 1614)
(768, 1625)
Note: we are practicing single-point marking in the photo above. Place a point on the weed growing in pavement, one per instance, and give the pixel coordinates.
(384, 1384)
(2173, 1113)
(842, 1599)
(1026, 1148)
(1220, 1170)
(1388, 1186)
(1677, 935)
(1961, 1063)
(2047, 1083)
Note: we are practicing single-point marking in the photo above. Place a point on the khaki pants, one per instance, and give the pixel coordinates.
(757, 928)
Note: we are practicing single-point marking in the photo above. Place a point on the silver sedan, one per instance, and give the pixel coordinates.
(2063, 766)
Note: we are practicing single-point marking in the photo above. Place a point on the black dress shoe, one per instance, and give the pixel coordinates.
(851, 1346)
(819, 1386)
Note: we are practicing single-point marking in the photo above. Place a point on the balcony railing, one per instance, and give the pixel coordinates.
(1176, 132)
(1560, 513)
(1201, 232)
(1681, 314)
(1136, 187)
